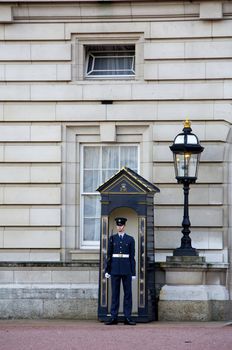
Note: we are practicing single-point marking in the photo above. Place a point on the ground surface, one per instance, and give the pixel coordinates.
(93, 335)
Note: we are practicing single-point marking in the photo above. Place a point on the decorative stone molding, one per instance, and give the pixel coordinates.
(5, 14)
(211, 10)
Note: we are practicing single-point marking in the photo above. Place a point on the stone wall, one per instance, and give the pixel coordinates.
(48, 290)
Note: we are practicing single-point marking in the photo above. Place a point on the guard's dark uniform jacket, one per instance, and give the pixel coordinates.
(121, 266)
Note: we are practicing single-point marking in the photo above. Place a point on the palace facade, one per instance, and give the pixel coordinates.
(87, 87)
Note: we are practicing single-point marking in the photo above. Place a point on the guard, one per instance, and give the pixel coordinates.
(121, 266)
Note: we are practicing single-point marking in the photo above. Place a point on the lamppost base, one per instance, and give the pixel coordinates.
(185, 252)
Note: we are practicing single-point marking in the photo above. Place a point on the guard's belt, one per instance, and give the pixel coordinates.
(120, 255)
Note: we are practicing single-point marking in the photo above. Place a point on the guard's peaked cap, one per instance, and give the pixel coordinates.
(120, 221)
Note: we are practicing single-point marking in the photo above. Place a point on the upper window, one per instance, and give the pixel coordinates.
(110, 61)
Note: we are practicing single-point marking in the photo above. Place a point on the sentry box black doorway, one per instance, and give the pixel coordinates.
(129, 195)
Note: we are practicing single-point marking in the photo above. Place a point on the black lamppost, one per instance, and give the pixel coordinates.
(186, 153)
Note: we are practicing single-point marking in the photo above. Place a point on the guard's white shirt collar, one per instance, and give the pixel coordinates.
(121, 234)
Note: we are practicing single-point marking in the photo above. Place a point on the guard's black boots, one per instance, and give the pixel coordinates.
(129, 322)
(111, 321)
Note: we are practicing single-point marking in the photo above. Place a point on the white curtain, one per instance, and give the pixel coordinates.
(129, 157)
(113, 65)
(110, 60)
(91, 180)
(91, 218)
(92, 169)
(110, 161)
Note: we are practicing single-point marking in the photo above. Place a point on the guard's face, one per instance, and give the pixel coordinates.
(120, 228)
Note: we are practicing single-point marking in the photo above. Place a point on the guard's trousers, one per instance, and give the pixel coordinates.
(127, 288)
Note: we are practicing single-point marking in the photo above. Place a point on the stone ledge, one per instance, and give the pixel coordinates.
(45, 264)
(194, 292)
(48, 293)
(186, 259)
(186, 270)
(85, 256)
(191, 263)
(47, 286)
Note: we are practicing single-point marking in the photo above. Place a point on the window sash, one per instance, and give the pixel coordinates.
(112, 63)
(90, 214)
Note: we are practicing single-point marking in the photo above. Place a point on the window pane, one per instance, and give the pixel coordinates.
(110, 161)
(106, 174)
(91, 158)
(110, 157)
(92, 213)
(129, 157)
(113, 63)
(92, 207)
(91, 229)
(90, 63)
(92, 180)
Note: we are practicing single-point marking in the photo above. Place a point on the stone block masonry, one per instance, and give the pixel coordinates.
(44, 302)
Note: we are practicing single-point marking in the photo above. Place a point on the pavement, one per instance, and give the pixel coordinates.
(94, 335)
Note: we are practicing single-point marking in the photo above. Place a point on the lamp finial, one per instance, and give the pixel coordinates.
(187, 124)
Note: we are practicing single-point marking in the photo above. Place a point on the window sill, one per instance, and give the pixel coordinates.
(109, 78)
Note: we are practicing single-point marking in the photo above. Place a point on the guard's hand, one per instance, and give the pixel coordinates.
(133, 277)
(107, 275)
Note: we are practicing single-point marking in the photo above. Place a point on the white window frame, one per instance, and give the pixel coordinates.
(96, 54)
(95, 244)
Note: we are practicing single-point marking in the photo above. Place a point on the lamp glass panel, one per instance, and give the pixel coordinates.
(186, 164)
(193, 165)
(191, 139)
(179, 139)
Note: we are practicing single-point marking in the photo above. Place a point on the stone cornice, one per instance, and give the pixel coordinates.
(99, 1)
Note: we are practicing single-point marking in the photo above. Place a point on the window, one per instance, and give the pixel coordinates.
(99, 163)
(110, 61)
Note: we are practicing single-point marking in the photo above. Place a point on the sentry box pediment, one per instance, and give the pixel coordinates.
(130, 195)
(127, 181)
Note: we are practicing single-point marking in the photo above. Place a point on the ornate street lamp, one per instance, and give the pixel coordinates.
(186, 153)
